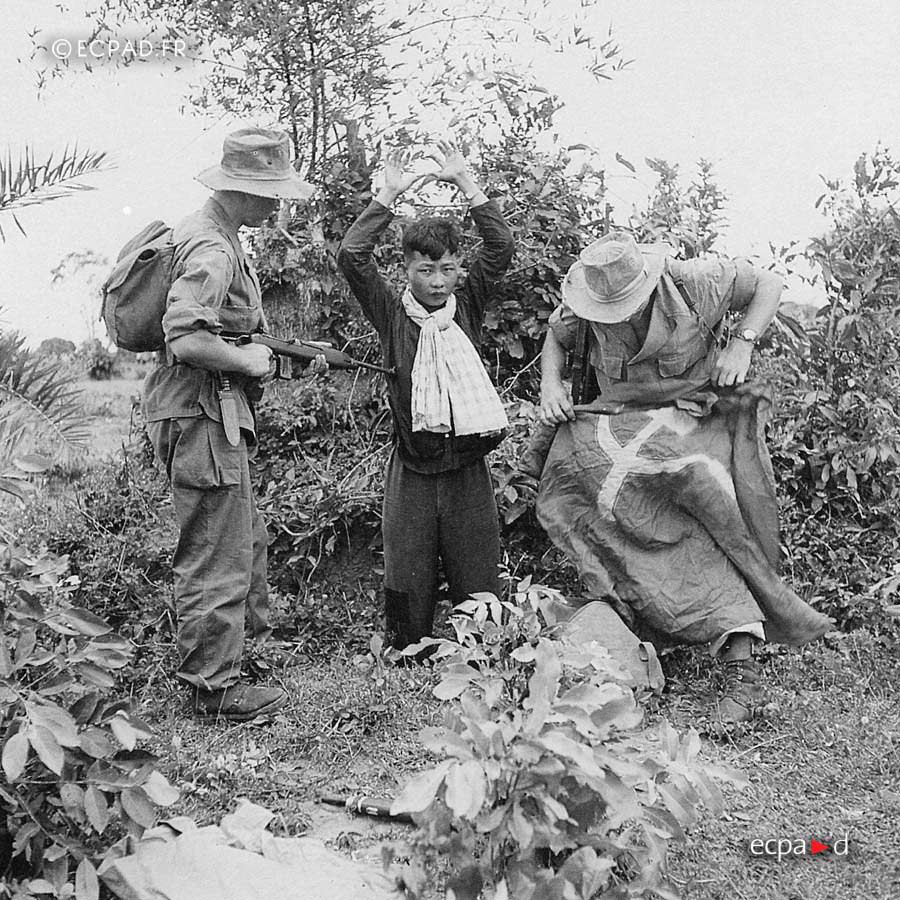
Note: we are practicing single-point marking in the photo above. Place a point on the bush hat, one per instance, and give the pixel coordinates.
(613, 277)
(257, 161)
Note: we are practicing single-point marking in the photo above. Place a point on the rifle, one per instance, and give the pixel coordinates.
(288, 350)
(377, 807)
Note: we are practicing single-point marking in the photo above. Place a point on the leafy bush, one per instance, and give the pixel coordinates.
(56, 347)
(845, 415)
(40, 412)
(75, 779)
(835, 439)
(544, 788)
(99, 363)
(323, 449)
(322, 453)
(116, 527)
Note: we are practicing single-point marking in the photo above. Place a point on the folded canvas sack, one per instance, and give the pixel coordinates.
(598, 621)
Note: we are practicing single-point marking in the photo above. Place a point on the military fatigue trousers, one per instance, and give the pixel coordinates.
(219, 564)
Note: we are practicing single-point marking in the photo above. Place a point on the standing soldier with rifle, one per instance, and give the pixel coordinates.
(198, 408)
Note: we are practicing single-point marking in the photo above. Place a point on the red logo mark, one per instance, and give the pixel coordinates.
(817, 847)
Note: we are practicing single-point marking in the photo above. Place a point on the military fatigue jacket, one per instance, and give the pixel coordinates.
(679, 340)
(216, 289)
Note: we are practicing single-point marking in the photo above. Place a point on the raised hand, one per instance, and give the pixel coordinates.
(453, 165)
(396, 177)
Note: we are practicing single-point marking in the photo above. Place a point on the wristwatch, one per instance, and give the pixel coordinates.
(749, 335)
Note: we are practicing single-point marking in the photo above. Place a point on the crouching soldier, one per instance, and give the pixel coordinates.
(438, 497)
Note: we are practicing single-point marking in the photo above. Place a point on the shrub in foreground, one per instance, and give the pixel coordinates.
(74, 778)
(545, 789)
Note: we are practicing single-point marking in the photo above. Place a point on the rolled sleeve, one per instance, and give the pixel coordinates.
(710, 282)
(745, 282)
(564, 325)
(197, 294)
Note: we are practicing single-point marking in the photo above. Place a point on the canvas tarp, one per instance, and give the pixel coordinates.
(239, 860)
(673, 516)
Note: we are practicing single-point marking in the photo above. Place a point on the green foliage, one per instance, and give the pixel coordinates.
(689, 219)
(56, 347)
(75, 779)
(323, 447)
(117, 529)
(41, 420)
(99, 364)
(26, 181)
(348, 78)
(553, 209)
(340, 73)
(544, 789)
(836, 438)
(844, 418)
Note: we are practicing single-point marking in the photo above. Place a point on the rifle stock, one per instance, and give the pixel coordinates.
(294, 348)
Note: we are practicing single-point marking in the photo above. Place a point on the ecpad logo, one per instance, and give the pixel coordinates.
(778, 848)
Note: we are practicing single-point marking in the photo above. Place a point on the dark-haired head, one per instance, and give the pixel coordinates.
(432, 237)
(431, 252)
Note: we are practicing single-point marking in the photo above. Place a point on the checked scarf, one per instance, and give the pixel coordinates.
(450, 388)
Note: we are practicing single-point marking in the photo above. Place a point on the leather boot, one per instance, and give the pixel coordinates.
(742, 689)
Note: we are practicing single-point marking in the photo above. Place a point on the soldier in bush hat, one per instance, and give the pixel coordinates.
(647, 326)
(198, 407)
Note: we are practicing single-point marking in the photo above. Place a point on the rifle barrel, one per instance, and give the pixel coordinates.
(376, 807)
(336, 358)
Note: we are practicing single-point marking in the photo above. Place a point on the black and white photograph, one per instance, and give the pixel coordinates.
(450, 450)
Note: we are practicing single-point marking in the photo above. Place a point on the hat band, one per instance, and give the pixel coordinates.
(244, 175)
(623, 292)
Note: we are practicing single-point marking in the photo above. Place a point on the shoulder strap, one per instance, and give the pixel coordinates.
(581, 368)
(692, 306)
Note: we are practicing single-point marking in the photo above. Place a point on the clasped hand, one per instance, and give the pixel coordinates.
(556, 404)
(452, 167)
(732, 364)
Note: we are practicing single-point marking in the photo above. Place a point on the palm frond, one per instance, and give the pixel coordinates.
(40, 412)
(24, 181)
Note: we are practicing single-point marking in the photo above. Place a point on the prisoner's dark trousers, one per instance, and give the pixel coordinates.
(451, 516)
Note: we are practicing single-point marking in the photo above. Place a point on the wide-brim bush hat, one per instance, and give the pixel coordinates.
(257, 161)
(613, 277)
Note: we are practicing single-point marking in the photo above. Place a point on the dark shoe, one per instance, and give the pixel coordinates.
(741, 692)
(238, 703)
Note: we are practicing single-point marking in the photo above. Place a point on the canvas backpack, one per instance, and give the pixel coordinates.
(135, 294)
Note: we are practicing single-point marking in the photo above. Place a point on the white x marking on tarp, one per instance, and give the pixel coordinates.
(626, 460)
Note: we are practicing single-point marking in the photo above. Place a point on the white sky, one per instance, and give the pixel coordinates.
(775, 93)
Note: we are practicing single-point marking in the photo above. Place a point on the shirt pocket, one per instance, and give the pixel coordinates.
(241, 310)
(686, 345)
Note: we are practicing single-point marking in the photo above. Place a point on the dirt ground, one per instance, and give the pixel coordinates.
(822, 758)
(822, 761)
